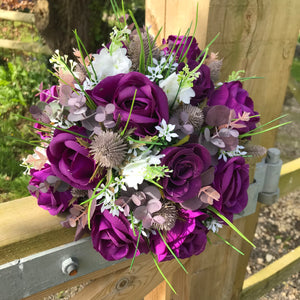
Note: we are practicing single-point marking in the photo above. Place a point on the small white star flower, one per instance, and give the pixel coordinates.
(165, 130)
(213, 225)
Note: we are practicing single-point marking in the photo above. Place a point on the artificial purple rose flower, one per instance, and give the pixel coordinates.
(232, 182)
(186, 238)
(182, 45)
(190, 165)
(49, 95)
(232, 95)
(53, 199)
(203, 86)
(113, 237)
(150, 106)
(69, 160)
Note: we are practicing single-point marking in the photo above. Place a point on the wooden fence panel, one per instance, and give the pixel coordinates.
(260, 38)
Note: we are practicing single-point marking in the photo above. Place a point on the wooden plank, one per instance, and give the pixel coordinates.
(17, 16)
(263, 281)
(24, 46)
(27, 229)
(289, 177)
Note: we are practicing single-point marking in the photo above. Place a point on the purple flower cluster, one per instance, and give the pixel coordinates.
(141, 159)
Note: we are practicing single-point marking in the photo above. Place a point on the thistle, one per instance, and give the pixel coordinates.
(109, 149)
(169, 213)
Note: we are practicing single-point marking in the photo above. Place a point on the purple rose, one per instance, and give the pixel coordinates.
(53, 200)
(49, 95)
(186, 238)
(69, 160)
(182, 45)
(190, 165)
(232, 95)
(232, 182)
(203, 86)
(150, 106)
(113, 237)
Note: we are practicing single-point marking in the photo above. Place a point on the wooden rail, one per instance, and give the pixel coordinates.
(17, 16)
(263, 281)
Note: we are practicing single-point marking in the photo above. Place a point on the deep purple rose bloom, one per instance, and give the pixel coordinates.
(54, 202)
(232, 95)
(203, 86)
(49, 95)
(69, 160)
(113, 238)
(188, 163)
(186, 238)
(232, 182)
(150, 106)
(193, 51)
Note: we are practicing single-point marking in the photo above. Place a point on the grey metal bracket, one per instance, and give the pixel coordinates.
(265, 184)
(27, 276)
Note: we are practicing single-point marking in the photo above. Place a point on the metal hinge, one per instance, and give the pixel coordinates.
(265, 184)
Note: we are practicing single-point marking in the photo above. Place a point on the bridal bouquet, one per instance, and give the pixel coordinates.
(142, 146)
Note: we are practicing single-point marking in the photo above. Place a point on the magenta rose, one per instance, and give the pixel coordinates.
(182, 46)
(232, 95)
(53, 200)
(49, 95)
(150, 106)
(69, 160)
(113, 237)
(232, 182)
(191, 166)
(186, 238)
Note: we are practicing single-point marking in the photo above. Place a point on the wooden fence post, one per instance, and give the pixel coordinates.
(258, 37)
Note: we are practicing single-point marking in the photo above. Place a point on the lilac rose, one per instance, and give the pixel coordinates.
(232, 182)
(191, 169)
(113, 237)
(71, 161)
(48, 95)
(186, 238)
(232, 95)
(55, 200)
(182, 46)
(150, 106)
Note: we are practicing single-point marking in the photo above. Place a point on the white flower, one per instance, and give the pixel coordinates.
(170, 86)
(237, 152)
(135, 172)
(165, 130)
(213, 225)
(110, 64)
(185, 95)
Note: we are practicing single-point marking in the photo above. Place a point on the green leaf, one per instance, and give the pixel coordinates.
(137, 245)
(211, 208)
(226, 242)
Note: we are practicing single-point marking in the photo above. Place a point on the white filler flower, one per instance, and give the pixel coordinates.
(165, 130)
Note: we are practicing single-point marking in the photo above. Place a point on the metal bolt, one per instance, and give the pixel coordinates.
(70, 266)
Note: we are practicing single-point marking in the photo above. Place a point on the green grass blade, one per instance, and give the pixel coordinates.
(230, 224)
(130, 112)
(162, 274)
(211, 42)
(136, 247)
(169, 248)
(142, 54)
(226, 242)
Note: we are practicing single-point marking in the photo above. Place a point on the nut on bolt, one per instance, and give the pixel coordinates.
(70, 266)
